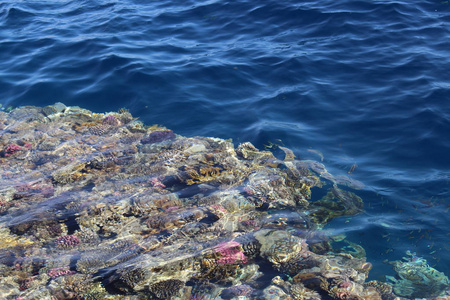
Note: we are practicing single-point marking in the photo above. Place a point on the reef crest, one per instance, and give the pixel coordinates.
(101, 206)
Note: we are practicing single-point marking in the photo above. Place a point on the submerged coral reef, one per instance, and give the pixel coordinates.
(100, 206)
(416, 279)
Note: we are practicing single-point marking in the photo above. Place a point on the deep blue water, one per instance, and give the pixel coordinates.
(365, 82)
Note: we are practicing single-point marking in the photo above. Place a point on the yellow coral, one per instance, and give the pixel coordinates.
(7, 240)
(202, 175)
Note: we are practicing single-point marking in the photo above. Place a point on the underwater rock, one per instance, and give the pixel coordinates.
(53, 109)
(158, 136)
(236, 291)
(49, 110)
(279, 246)
(297, 290)
(336, 203)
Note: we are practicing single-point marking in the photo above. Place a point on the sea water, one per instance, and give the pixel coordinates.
(361, 86)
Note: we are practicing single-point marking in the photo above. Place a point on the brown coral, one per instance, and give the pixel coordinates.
(166, 289)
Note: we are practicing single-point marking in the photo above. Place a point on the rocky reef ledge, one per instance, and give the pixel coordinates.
(100, 206)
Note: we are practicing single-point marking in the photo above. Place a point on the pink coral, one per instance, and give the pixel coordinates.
(67, 241)
(156, 182)
(219, 210)
(46, 190)
(56, 272)
(230, 253)
(172, 208)
(345, 284)
(343, 295)
(11, 149)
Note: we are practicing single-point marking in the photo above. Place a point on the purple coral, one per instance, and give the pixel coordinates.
(158, 136)
(11, 149)
(111, 120)
(67, 241)
(230, 253)
(28, 189)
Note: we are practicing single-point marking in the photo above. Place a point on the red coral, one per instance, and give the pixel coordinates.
(11, 149)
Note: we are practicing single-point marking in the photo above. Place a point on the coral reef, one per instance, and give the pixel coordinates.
(416, 279)
(67, 241)
(100, 206)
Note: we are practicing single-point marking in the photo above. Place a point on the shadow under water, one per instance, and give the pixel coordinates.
(100, 206)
